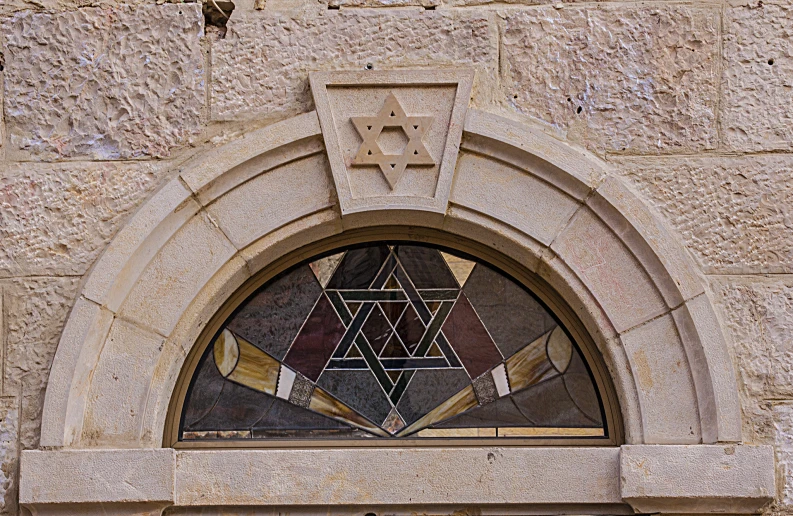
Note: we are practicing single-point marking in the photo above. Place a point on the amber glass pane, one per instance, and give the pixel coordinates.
(391, 340)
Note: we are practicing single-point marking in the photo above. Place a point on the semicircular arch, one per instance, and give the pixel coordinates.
(239, 208)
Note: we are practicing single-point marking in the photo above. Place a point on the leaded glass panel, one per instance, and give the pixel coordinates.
(391, 340)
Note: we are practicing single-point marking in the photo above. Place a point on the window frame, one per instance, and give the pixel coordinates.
(548, 297)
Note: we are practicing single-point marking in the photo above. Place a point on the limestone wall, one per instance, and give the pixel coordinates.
(689, 101)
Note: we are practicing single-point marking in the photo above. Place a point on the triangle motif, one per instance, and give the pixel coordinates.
(324, 268)
(353, 307)
(354, 352)
(435, 351)
(394, 349)
(460, 267)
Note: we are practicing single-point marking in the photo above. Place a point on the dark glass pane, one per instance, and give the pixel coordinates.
(359, 267)
(377, 330)
(470, 339)
(428, 389)
(316, 341)
(271, 318)
(425, 267)
(512, 316)
(359, 390)
(392, 348)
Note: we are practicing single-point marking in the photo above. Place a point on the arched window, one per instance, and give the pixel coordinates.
(387, 341)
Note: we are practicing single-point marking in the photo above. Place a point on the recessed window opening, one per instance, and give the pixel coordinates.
(391, 341)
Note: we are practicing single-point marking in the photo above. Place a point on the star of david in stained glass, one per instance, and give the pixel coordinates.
(391, 340)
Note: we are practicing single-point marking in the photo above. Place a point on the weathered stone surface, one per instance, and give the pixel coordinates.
(104, 83)
(758, 316)
(639, 79)
(12, 6)
(783, 439)
(758, 77)
(261, 68)
(56, 219)
(734, 213)
(9, 450)
(36, 311)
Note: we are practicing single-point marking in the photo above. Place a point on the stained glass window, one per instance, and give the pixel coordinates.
(391, 340)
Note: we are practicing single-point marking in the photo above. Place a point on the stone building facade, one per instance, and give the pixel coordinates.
(127, 128)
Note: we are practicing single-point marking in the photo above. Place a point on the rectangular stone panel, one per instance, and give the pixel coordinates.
(733, 213)
(757, 315)
(176, 274)
(261, 68)
(756, 84)
(104, 83)
(118, 397)
(615, 277)
(57, 218)
(637, 79)
(532, 206)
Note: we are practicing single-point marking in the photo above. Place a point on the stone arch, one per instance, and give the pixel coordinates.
(200, 237)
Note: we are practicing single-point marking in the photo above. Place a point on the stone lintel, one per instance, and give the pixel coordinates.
(697, 479)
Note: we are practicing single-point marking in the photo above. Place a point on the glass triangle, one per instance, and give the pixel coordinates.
(460, 267)
(433, 306)
(353, 306)
(394, 349)
(391, 284)
(393, 310)
(394, 375)
(434, 351)
(354, 352)
(324, 268)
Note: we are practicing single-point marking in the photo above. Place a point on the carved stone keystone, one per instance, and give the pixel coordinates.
(392, 137)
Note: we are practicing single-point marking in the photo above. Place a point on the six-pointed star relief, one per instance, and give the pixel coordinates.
(392, 115)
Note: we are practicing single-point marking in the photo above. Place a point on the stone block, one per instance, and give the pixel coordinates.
(607, 267)
(463, 476)
(12, 6)
(783, 439)
(290, 237)
(734, 213)
(261, 68)
(758, 317)
(104, 83)
(529, 147)
(638, 79)
(273, 199)
(512, 196)
(176, 274)
(712, 370)
(38, 308)
(57, 218)
(756, 84)
(226, 166)
(697, 479)
(130, 252)
(118, 397)
(36, 311)
(79, 477)
(9, 454)
(71, 371)
(667, 396)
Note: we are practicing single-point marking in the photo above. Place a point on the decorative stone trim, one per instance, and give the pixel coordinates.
(672, 479)
(584, 232)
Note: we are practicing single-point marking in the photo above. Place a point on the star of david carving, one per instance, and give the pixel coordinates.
(392, 165)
